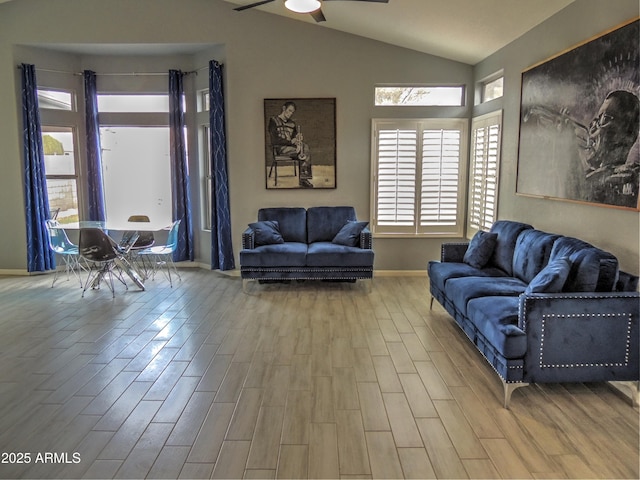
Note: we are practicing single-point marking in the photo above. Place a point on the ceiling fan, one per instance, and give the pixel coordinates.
(312, 7)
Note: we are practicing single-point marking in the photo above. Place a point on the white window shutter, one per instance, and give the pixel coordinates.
(485, 160)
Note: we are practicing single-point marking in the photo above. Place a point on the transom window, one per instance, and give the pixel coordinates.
(416, 95)
(56, 100)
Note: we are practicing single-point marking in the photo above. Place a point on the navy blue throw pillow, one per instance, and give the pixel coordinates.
(267, 232)
(480, 249)
(551, 278)
(349, 234)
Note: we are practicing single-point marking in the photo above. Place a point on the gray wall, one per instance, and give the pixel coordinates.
(267, 56)
(612, 229)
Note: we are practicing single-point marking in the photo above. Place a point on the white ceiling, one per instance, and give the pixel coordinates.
(464, 30)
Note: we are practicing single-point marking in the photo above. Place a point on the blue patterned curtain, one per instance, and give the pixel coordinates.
(221, 243)
(179, 168)
(39, 257)
(95, 200)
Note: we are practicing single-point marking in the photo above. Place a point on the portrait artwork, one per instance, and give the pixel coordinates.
(579, 123)
(300, 143)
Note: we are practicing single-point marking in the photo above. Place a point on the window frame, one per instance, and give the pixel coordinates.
(488, 81)
(135, 119)
(416, 229)
(50, 127)
(481, 183)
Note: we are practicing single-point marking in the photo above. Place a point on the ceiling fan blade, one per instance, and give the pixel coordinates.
(372, 1)
(318, 16)
(251, 5)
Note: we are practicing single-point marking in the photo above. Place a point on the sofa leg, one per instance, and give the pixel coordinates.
(632, 388)
(245, 282)
(368, 285)
(431, 303)
(509, 388)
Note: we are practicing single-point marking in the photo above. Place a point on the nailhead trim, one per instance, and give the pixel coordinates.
(586, 315)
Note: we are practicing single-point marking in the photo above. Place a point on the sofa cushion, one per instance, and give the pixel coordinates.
(349, 234)
(531, 254)
(329, 254)
(441, 272)
(480, 249)
(496, 318)
(266, 232)
(288, 254)
(551, 278)
(592, 269)
(292, 222)
(508, 232)
(462, 290)
(323, 223)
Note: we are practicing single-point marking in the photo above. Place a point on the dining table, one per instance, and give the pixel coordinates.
(124, 243)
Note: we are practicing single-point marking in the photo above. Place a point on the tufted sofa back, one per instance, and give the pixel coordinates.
(323, 223)
(291, 220)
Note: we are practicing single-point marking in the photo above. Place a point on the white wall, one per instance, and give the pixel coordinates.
(611, 229)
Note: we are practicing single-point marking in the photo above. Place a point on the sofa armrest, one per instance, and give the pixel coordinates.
(453, 252)
(366, 239)
(581, 337)
(248, 239)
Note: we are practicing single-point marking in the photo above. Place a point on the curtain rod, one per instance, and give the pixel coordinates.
(126, 74)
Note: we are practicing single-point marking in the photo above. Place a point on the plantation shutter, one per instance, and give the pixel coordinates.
(440, 177)
(418, 171)
(396, 200)
(485, 158)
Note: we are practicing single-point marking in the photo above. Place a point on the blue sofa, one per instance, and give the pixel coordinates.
(319, 243)
(541, 307)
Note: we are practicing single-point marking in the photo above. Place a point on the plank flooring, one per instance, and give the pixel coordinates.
(300, 380)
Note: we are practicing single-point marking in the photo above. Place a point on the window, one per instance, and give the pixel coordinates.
(56, 100)
(418, 169)
(60, 170)
(443, 96)
(133, 103)
(486, 134)
(134, 137)
(492, 89)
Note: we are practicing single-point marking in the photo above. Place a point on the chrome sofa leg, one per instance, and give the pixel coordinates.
(509, 388)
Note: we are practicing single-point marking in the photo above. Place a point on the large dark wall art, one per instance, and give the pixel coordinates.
(579, 123)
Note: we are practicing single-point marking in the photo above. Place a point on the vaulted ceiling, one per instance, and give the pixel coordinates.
(464, 30)
(467, 31)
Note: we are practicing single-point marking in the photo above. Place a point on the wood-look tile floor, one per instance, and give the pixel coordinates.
(306, 380)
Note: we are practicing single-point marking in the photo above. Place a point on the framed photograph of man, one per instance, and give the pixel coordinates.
(579, 123)
(300, 143)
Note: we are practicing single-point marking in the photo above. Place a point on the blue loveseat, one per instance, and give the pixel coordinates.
(319, 243)
(541, 307)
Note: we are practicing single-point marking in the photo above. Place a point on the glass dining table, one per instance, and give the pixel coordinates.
(122, 243)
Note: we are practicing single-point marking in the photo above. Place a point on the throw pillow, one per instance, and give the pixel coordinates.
(551, 278)
(267, 232)
(349, 234)
(480, 249)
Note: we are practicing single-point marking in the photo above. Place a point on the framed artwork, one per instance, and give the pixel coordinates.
(579, 123)
(300, 143)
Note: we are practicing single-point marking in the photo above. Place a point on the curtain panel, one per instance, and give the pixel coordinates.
(179, 168)
(95, 190)
(221, 243)
(39, 256)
